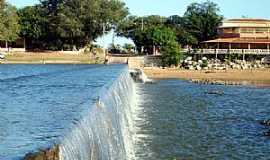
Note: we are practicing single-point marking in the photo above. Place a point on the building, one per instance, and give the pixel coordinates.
(240, 36)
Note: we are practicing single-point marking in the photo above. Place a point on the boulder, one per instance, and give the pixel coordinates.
(198, 67)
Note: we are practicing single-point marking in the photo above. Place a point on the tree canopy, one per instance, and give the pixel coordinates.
(73, 24)
(199, 23)
(9, 27)
(69, 24)
(202, 19)
(137, 29)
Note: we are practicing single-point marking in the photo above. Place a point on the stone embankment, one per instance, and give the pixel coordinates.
(132, 61)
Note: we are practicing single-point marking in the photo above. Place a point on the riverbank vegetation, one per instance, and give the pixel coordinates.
(9, 26)
(74, 24)
(199, 23)
(69, 24)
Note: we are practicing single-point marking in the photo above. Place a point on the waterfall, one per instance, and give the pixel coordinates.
(106, 132)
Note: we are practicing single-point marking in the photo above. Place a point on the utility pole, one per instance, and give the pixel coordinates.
(104, 30)
(142, 24)
(142, 49)
(113, 37)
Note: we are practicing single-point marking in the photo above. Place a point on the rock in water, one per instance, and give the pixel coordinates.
(49, 154)
(139, 76)
(265, 122)
(215, 92)
(267, 133)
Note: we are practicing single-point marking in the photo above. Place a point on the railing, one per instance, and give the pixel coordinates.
(229, 51)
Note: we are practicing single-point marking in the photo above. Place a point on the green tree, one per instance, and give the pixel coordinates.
(202, 19)
(171, 54)
(75, 23)
(161, 35)
(33, 26)
(137, 29)
(9, 27)
(2, 17)
(128, 47)
(165, 39)
(11, 24)
(31, 22)
(184, 37)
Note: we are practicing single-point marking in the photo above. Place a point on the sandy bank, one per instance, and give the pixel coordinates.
(48, 62)
(259, 77)
(50, 58)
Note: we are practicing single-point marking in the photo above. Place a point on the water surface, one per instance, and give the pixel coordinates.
(181, 120)
(39, 103)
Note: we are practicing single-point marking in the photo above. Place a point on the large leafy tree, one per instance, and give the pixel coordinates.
(202, 19)
(165, 39)
(138, 28)
(2, 16)
(11, 24)
(152, 32)
(161, 35)
(9, 27)
(184, 37)
(171, 54)
(69, 24)
(31, 22)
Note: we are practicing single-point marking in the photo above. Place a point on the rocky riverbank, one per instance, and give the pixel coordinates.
(258, 77)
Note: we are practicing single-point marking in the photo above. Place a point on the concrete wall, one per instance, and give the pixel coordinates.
(117, 59)
(153, 61)
(136, 62)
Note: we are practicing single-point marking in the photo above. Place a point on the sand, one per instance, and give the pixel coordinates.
(260, 77)
(48, 58)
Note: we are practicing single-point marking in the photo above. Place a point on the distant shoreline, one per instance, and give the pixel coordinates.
(254, 77)
(46, 62)
(50, 58)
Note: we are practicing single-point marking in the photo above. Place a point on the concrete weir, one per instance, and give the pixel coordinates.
(105, 131)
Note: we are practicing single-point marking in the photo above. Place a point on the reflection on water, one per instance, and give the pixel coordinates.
(181, 120)
(38, 103)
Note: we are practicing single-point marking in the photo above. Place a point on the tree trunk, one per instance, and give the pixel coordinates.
(7, 46)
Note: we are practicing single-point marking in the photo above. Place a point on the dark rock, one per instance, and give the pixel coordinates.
(136, 75)
(49, 154)
(215, 92)
(265, 122)
(267, 133)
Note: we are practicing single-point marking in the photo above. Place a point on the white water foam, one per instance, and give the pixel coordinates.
(107, 131)
(144, 78)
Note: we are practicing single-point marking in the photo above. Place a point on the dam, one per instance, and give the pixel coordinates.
(98, 112)
(85, 109)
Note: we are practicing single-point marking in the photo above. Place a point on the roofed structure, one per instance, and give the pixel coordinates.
(245, 34)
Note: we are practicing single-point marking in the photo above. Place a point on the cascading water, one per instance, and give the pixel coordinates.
(106, 131)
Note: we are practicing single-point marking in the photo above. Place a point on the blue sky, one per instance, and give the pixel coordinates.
(228, 8)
